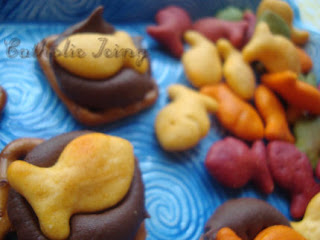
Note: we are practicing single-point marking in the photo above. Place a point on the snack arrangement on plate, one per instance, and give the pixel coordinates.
(219, 112)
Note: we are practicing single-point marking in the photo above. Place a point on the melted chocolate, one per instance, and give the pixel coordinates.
(118, 223)
(246, 216)
(126, 87)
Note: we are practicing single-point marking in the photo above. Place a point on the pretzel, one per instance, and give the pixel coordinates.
(3, 98)
(17, 149)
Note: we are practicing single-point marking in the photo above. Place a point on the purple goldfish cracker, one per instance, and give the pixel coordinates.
(251, 19)
(172, 23)
(234, 164)
(214, 29)
(292, 171)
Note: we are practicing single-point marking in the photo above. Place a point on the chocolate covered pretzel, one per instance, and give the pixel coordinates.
(97, 101)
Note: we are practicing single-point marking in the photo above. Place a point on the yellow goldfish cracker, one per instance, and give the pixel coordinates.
(238, 73)
(98, 56)
(181, 124)
(94, 172)
(201, 62)
(284, 10)
(309, 225)
(276, 53)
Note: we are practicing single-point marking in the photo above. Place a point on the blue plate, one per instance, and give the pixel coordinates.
(180, 194)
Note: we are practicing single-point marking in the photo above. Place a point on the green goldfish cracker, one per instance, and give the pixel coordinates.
(309, 78)
(284, 10)
(230, 14)
(308, 138)
(276, 23)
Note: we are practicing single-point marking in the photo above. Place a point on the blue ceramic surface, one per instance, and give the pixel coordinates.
(180, 194)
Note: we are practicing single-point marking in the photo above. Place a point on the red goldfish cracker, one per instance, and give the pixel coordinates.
(251, 19)
(318, 170)
(305, 61)
(236, 115)
(291, 170)
(173, 22)
(226, 156)
(297, 93)
(214, 29)
(279, 232)
(227, 234)
(273, 114)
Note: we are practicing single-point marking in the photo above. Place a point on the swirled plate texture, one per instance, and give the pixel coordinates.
(180, 194)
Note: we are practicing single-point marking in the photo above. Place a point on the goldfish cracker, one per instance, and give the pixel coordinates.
(309, 78)
(184, 122)
(201, 63)
(284, 10)
(227, 156)
(317, 171)
(227, 234)
(305, 61)
(309, 225)
(275, 52)
(279, 232)
(172, 23)
(251, 19)
(97, 171)
(236, 115)
(273, 113)
(291, 170)
(215, 29)
(230, 13)
(308, 138)
(238, 74)
(297, 93)
(88, 65)
(277, 25)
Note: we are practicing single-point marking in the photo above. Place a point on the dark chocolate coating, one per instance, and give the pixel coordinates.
(118, 223)
(124, 88)
(245, 216)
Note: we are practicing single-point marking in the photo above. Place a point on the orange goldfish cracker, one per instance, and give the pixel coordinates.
(279, 232)
(305, 60)
(297, 93)
(227, 234)
(273, 114)
(236, 115)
